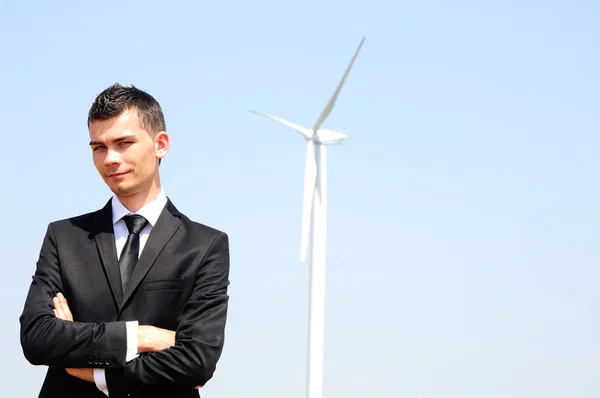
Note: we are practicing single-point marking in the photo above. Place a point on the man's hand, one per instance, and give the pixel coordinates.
(151, 338)
(86, 374)
(61, 308)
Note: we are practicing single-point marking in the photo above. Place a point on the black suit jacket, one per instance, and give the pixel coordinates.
(180, 283)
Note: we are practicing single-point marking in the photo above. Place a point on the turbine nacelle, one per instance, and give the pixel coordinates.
(328, 137)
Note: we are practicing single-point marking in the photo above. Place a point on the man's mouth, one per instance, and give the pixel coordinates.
(117, 175)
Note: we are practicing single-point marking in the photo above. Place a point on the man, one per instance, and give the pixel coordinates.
(130, 300)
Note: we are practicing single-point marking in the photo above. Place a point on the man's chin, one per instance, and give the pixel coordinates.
(122, 189)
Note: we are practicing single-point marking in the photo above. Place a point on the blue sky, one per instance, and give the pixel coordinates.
(463, 207)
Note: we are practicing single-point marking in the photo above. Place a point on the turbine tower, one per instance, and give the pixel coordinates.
(315, 210)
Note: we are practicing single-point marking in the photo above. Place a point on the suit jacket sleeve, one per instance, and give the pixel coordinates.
(199, 335)
(47, 340)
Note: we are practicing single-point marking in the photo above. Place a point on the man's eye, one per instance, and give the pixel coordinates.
(126, 143)
(97, 148)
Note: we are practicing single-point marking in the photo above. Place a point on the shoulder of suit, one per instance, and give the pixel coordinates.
(84, 220)
(195, 226)
(200, 227)
(78, 220)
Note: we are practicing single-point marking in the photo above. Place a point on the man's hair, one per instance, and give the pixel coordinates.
(117, 99)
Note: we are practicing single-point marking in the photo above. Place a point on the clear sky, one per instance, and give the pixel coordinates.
(463, 207)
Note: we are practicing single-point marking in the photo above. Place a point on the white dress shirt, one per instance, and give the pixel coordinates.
(150, 212)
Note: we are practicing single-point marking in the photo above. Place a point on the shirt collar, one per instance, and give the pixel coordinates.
(151, 211)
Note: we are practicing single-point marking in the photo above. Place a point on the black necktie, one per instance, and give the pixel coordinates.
(129, 256)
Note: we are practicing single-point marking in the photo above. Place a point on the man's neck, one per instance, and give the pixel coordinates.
(135, 202)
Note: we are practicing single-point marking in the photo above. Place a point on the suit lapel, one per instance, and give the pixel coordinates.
(168, 222)
(105, 240)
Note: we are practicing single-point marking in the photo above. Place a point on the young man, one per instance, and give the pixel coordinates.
(130, 300)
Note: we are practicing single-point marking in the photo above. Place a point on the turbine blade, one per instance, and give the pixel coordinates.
(310, 176)
(331, 102)
(304, 131)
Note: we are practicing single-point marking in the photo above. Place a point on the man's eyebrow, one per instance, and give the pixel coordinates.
(116, 140)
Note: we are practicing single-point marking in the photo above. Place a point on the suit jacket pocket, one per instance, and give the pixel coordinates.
(172, 284)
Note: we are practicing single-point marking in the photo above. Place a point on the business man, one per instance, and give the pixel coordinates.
(129, 300)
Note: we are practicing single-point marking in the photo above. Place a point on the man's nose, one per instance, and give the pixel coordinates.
(112, 157)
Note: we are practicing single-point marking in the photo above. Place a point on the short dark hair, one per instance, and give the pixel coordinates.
(117, 99)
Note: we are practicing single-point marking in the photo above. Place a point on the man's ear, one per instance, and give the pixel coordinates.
(162, 144)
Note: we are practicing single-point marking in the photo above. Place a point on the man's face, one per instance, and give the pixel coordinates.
(125, 155)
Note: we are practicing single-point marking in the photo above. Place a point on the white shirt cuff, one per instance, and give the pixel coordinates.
(100, 380)
(132, 340)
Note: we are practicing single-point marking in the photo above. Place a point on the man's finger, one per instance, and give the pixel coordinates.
(86, 374)
(62, 308)
(58, 308)
(65, 307)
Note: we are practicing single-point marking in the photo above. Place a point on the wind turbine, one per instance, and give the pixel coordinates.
(315, 206)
